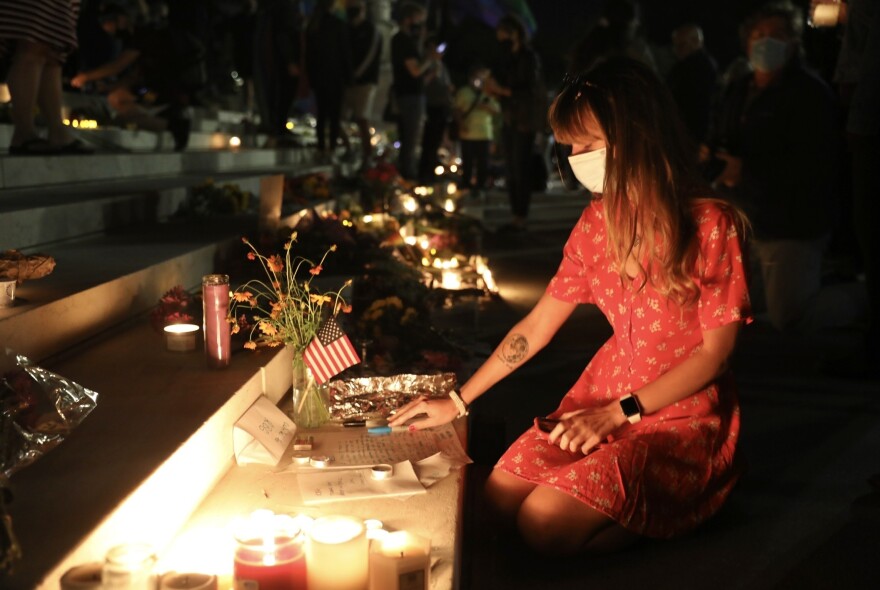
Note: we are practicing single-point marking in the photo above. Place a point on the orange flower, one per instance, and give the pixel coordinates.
(267, 328)
(235, 328)
(250, 345)
(251, 256)
(320, 298)
(275, 263)
(243, 296)
(345, 308)
(316, 270)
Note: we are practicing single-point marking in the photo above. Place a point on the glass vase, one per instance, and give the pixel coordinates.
(309, 397)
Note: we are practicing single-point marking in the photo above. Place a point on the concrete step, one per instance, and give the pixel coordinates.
(104, 281)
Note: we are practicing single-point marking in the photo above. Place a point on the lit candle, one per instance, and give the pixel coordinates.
(129, 566)
(451, 279)
(825, 14)
(400, 561)
(82, 577)
(181, 337)
(338, 554)
(176, 581)
(7, 293)
(269, 553)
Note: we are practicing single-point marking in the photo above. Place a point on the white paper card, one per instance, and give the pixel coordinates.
(318, 487)
(262, 434)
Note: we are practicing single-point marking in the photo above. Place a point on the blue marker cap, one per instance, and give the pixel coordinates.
(379, 430)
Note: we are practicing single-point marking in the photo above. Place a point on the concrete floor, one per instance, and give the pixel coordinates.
(803, 514)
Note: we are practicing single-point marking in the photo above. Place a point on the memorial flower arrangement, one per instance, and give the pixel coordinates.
(210, 198)
(176, 306)
(284, 308)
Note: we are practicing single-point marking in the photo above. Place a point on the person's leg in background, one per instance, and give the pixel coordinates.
(432, 137)
(411, 110)
(334, 115)
(481, 161)
(518, 146)
(24, 79)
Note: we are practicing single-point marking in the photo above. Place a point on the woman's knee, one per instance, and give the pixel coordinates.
(505, 493)
(552, 522)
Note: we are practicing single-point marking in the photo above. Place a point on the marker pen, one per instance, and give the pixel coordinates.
(386, 429)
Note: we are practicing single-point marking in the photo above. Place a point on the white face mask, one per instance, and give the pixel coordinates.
(589, 169)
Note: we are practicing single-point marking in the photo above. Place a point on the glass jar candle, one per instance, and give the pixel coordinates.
(217, 331)
(269, 553)
(129, 567)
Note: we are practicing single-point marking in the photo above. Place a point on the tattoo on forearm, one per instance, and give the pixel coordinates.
(514, 350)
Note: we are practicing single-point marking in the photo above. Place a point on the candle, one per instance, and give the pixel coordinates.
(451, 279)
(176, 581)
(129, 567)
(338, 554)
(82, 577)
(7, 293)
(400, 561)
(215, 294)
(181, 337)
(269, 554)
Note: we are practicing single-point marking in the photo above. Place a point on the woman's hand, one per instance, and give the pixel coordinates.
(435, 412)
(583, 430)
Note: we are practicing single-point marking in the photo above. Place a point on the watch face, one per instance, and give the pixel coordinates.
(630, 406)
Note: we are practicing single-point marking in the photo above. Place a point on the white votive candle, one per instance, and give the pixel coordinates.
(82, 577)
(400, 561)
(184, 581)
(337, 554)
(181, 337)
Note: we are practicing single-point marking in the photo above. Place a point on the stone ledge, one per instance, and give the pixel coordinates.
(158, 441)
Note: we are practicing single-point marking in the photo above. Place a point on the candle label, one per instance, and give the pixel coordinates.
(412, 580)
(262, 434)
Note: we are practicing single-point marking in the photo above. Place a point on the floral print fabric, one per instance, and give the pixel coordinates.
(673, 469)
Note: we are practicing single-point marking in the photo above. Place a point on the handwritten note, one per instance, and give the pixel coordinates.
(317, 487)
(353, 447)
(262, 434)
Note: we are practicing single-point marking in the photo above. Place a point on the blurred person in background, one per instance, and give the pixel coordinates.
(158, 67)
(277, 62)
(366, 51)
(328, 66)
(517, 82)
(475, 112)
(38, 35)
(438, 109)
(409, 67)
(693, 79)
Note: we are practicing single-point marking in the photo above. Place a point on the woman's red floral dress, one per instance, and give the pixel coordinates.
(672, 470)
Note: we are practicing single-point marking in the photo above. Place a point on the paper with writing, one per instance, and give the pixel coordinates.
(262, 434)
(320, 486)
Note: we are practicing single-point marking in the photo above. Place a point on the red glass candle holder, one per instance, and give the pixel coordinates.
(217, 330)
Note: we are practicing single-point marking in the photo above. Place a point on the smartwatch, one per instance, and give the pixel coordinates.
(629, 405)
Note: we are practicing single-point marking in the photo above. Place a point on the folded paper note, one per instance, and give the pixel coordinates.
(262, 434)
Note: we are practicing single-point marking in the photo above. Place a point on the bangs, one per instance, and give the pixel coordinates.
(570, 114)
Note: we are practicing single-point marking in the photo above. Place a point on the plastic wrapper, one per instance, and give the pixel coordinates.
(38, 409)
(376, 397)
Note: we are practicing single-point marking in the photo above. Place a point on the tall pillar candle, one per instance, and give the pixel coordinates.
(218, 336)
(338, 554)
(400, 561)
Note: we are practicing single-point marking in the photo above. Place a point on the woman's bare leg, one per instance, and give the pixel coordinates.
(554, 523)
(49, 98)
(506, 493)
(24, 85)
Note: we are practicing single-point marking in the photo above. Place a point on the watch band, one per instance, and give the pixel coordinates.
(460, 404)
(631, 408)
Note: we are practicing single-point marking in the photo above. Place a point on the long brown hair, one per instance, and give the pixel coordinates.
(651, 178)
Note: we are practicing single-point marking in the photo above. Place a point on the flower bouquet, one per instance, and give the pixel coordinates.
(176, 306)
(284, 309)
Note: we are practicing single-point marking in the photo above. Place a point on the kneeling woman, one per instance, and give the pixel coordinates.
(645, 442)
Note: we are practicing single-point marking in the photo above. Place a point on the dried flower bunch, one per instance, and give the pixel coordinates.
(176, 306)
(283, 309)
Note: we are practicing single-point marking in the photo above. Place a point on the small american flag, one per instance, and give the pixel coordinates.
(330, 352)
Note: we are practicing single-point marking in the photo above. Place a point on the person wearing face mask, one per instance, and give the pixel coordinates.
(644, 444)
(517, 82)
(408, 68)
(776, 134)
